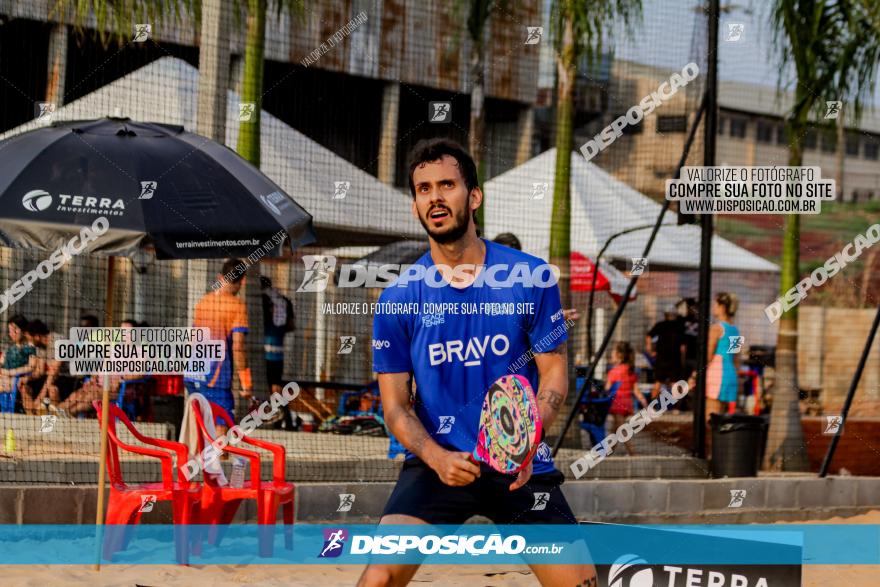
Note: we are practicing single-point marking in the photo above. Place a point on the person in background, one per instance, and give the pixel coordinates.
(50, 381)
(278, 320)
(88, 321)
(508, 239)
(690, 326)
(31, 383)
(80, 401)
(33, 386)
(225, 314)
(16, 357)
(624, 373)
(665, 344)
(723, 355)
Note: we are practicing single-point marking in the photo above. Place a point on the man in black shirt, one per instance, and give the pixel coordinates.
(687, 316)
(665, 342)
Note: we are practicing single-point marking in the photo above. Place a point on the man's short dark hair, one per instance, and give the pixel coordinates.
(430, 150)
(37, 328)
(19, 320)
(90, 320)
(233, 270)
(508, 239)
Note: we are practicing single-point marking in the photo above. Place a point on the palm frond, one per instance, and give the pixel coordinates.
(834, 47)
(590, 22)
(115, 19)
(296, 8)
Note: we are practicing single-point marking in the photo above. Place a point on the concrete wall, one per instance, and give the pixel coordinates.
(829, 346)
(767, 500)
(405, 41)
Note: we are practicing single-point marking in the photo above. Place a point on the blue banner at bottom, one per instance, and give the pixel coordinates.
(602, 544)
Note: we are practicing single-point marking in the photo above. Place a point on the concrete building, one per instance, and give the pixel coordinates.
(366, 98)
(750, 132)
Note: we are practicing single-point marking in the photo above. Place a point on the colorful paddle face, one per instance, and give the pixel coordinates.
(510, 425)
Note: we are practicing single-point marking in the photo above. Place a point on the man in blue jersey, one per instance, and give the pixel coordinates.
(435, 366)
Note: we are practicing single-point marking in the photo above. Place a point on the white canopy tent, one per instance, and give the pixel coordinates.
(601, 206)
(166, 91)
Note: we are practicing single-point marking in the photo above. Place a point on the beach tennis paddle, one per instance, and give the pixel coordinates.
(510, 426)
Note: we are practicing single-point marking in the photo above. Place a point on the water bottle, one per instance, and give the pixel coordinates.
(9, 446)
(239, 464)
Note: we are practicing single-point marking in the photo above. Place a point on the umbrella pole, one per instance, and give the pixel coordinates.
(105, 417)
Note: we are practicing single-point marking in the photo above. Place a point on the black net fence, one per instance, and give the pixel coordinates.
(345, 93)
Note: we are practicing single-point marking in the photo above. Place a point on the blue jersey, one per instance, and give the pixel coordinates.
(455, 357)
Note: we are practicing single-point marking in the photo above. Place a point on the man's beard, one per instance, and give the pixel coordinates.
(458, 230)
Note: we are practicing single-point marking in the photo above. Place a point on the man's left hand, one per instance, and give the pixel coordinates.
(523, 477)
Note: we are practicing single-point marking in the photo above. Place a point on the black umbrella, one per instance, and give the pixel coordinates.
(157, 185)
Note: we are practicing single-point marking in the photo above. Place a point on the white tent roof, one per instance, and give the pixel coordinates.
(601, 205)
(166, 91)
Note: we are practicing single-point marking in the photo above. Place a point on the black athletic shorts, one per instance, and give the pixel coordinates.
(420, 493)
(666, 372)
(275, 372)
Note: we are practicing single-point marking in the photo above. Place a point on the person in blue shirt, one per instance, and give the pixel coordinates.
(436, 364)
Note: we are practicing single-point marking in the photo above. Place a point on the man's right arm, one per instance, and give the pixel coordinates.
(453, 468)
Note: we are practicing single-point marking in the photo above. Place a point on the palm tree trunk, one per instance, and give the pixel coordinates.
(252, 83)
(785, 442)
(249, 148)
(841, 154)
(560, 220)
(560, 223)
(476, 137)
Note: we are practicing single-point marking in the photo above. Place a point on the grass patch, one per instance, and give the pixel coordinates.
(730, 228)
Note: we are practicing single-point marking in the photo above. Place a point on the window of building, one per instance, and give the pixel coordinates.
(872, 149)
(852, 144)
(722, 124)
(765, 131)
(781, 135)
(671, 124)
(810, 140)
(829, 141)
(738, 128)
(634, 129)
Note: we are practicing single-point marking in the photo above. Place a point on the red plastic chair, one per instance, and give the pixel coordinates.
(220, 502)
(125, 504)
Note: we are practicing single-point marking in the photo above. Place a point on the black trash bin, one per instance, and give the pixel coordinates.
(737, 443)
